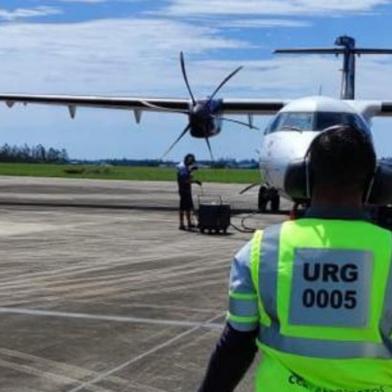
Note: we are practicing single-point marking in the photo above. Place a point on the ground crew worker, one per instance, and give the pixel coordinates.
(185, 181)
(314, 293)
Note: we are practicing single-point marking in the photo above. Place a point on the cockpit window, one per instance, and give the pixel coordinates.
(296, 121)
(328, 119)
(313, 121)
(290, 121)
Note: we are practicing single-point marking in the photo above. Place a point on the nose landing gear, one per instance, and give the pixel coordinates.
(268, 195)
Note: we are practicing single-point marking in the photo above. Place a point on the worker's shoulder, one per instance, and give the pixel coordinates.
(355, 226)
(242, 256)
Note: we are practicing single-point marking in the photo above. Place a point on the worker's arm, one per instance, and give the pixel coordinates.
(184, 176)
(236, 347)
(233, 355)
(193, 181)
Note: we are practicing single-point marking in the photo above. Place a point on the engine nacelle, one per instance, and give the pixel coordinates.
(204, 118)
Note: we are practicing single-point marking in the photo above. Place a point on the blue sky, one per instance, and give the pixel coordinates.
(131, 48)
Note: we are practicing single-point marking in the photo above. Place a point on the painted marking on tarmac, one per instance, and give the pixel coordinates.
(55, 378)
(76, 373)
(142, 356)
(121, 319)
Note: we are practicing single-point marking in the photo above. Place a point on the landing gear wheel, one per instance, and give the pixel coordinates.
(263, 199)
(275, 202)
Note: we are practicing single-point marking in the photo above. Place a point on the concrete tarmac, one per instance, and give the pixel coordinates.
(110, 299)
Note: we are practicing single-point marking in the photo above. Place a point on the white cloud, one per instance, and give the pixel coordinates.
(271, 7)
(83, 1)
(137, 56)
(133, 55)
(25, 13)
(98, 1)
(263, 23)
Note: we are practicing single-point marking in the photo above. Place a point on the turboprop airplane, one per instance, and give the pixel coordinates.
(286, 138)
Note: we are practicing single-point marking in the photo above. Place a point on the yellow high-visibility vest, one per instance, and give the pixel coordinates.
(325, 302)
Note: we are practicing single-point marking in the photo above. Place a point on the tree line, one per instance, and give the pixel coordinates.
(35, 154)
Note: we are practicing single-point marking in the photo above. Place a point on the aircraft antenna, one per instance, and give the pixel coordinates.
(320, 90)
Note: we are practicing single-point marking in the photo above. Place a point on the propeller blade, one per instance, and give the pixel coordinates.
(239, 122)
(186, 77)
(224, 81)
(186, 129)
(209, 148)
(152, 106)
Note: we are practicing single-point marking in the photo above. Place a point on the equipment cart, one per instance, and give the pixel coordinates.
(214, 215)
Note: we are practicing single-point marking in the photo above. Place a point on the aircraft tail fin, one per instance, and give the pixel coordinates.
(345, 47)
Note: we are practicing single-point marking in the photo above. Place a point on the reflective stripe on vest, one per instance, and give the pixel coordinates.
(316, 348)
(386, 320)
(319, 348)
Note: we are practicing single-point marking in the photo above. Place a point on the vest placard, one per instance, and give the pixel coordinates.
(331, 287)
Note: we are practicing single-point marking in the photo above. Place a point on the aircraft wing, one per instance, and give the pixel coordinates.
(370, 109)
(103, 102)
(140, 104)
(386, 108)
(253, 106)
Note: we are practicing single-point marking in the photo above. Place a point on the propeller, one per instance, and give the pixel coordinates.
(182, 134)
(209, 148)
(224, 81)
(183, 69)
(199, 109)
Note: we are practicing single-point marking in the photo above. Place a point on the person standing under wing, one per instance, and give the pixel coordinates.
(185, 181)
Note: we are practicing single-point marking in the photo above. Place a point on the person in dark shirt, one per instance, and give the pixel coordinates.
(185, 181)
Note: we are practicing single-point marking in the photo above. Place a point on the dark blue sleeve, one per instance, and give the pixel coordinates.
(233, 355)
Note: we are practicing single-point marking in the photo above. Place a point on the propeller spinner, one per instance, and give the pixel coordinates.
(204, 119)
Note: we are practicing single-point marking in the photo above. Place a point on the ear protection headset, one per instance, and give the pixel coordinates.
(298, 181)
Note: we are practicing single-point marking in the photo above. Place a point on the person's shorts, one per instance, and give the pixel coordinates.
(186, 202)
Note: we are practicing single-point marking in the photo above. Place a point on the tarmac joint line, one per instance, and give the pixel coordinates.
(132, 361)
(113, 318)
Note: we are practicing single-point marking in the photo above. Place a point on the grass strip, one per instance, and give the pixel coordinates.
(240, 176)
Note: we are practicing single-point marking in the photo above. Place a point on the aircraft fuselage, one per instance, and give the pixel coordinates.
(291, 131)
